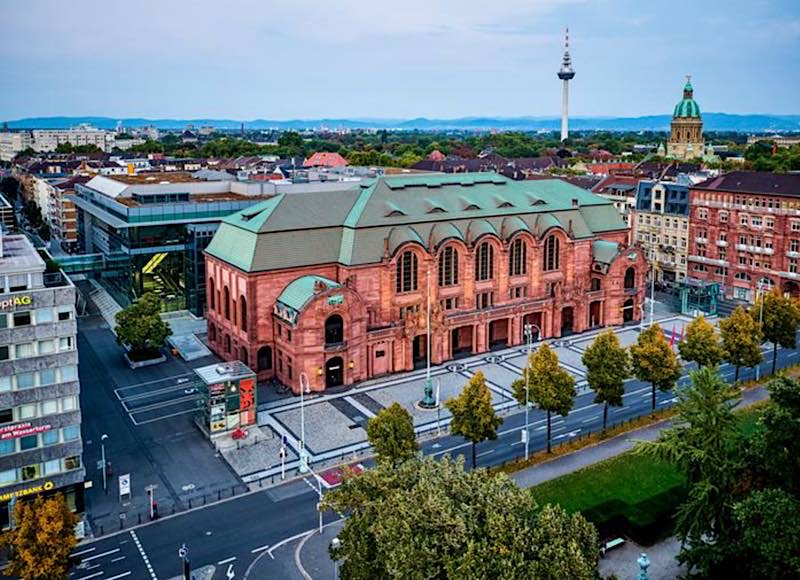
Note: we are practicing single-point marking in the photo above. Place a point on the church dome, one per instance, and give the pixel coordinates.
(688, 106)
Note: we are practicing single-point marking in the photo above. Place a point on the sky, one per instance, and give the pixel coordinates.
(270, 59)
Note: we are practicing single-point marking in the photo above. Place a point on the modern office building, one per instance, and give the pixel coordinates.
(744, 233)
(339, 291)
(147, 232)
(661, 225)
(40, 417)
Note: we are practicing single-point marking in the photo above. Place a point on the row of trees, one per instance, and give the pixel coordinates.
(741, 518)
(414, 517)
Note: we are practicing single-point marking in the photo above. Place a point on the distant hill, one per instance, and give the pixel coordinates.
(712, 122)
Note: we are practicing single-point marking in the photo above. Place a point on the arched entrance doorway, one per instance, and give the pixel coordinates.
(420, 351)
(534, 319)
(567, 320)
(595, 315)
(461, 341)
(334, 372)
(498, 334)
(627, 311)
(264, 357)
(792, 289)
(334, 330)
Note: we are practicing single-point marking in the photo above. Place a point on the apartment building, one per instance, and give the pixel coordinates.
(12, 143)
(49, 139)
(661, 225)
(40, 417)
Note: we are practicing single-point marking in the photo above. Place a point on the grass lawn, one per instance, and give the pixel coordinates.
(629, 494)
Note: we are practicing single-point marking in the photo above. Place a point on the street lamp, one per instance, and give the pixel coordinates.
(336, 543)
(760, 294)
(303, 453)
(529, 337)
(103, 438)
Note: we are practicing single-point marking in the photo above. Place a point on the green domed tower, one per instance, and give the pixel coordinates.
(686, 138)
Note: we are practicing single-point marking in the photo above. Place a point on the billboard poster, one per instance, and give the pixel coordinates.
(247, 402)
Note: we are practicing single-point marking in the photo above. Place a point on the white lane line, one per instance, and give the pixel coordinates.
(360, 407)
(286, 541)
(120, 559)
(128, 573)
(791, 354)
(95, 575)
(86, 551)
(589, 420)
(115, 550)
(485, 453)
(144, 555)
(259, 549)
(226, 560)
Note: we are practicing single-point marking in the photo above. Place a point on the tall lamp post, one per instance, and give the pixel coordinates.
(529, 337)
(303, 453)
(760, 294)
(428, 402)
(336, 543)
(103, 438)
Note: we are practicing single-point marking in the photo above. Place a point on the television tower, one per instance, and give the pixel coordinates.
(566, 73)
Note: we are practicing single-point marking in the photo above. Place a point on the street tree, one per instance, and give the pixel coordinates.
(701, 344)
(391, 434)
(552, 388)
(473, 415)
(607, 365)
(781, 434)
(42, 539)
(141, 328)
(699, 444)
(653, 361)
(431, 519)
(741, 340)
(779, 317)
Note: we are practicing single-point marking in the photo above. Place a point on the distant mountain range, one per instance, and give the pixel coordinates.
(712, 122)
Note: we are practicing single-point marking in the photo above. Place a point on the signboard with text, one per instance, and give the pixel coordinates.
(125, 484)
(21, 430)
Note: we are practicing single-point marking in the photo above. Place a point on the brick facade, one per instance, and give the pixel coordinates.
(376, 340)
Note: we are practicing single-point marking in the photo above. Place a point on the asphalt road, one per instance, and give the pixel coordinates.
(231, 534)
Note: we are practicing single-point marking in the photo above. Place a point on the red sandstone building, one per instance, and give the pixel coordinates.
(334, 284)
(744, 229)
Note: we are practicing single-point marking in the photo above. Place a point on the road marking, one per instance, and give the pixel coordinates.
(589, 420)
(286, 541)
(95, 575)
(144, 555)
(128, 573)
(259, 549)
(791, 354)
(101, 555)
(160, 418)
(120, 559)
(86, 551)
(226, 560)
(485, 453)
(359, 406)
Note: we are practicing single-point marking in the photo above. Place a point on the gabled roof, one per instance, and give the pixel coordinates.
(325, 159)
(353, 226)
(604, 251)
(763, 182)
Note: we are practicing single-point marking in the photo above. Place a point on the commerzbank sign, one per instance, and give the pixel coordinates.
(14, 301)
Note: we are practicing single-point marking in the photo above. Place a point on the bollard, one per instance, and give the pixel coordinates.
(190, 503)
(219, 495)
(204, 499)
(140, 518)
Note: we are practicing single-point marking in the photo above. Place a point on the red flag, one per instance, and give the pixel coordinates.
(672, 339)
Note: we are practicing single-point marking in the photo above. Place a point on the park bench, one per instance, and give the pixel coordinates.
(610, 545)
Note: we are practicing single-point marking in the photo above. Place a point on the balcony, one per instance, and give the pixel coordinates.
(790, 254)
(754, 249)
(709, 261)
(335, 346)
(789, 275)
(700, 240)
(722, 243)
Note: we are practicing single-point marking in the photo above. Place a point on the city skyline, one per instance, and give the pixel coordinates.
(365, 61)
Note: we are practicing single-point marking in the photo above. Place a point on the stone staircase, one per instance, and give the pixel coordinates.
(105, 303)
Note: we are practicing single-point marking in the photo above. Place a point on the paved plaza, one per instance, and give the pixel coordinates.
(335, 423)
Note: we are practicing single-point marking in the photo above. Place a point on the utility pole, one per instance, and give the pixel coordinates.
(103, 438)
(526, 436)
(303, 453)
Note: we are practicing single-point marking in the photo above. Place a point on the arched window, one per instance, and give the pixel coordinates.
(407, 272)
(596, 284)
(334, 330)
(226, 302)
(211, 294)
(243, 355)
(630, 278)
(518, 260)
(448, 267)
(243, 313)
(227, 343)
(484, 262)
(551, 254)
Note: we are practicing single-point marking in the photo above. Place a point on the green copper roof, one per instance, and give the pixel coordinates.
(352, 226)
(604, 251)
(687, 108)
(300, 291)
